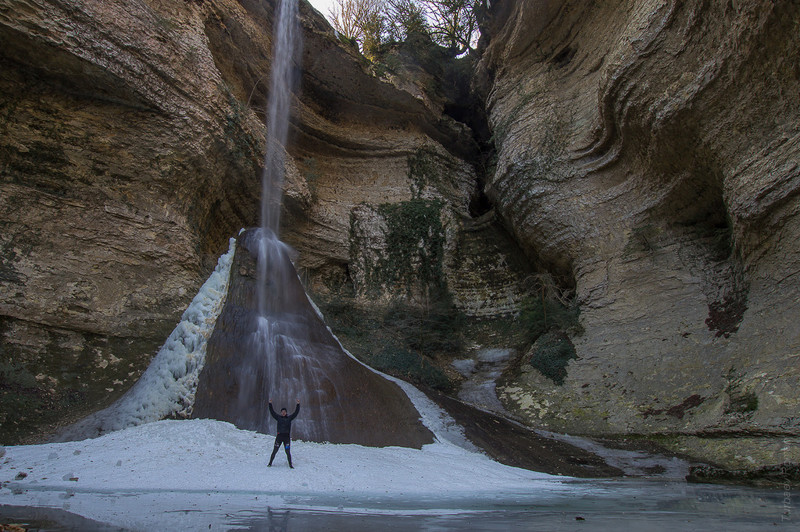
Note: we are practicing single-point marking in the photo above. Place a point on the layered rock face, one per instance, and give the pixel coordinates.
(646, 166)
(647, 156)
(118, 188)
(130, 151)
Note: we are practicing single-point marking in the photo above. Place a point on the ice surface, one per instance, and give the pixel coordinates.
(494, 355)
(479, 387)
(168, 385)
(208, 475)
(634, 463)
(465, 366)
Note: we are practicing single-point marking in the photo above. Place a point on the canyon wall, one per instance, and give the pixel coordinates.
(131, 149)
(647, 156)
(638, 177)
(117, 193)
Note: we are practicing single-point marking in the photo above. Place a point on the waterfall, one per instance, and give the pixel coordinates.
(270, 342)
(279, 364)
(283, 79)
(268, 339)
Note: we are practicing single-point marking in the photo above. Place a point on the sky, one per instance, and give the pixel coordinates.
(323, 6)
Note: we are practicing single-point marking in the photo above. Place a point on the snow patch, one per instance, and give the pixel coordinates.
(494, 355)
(479, 389)
(465, 366)
(209, 455)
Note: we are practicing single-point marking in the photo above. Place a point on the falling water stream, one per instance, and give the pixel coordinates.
(285, 370)
(270, 341)
(283, 80)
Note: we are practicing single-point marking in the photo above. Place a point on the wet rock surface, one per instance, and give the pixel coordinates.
(342, 401)
(512, 444)
(774, 476)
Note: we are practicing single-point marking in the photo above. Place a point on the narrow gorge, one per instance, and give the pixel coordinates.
(593, 219)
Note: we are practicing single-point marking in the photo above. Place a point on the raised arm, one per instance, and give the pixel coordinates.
(296, 410)
(271, 411)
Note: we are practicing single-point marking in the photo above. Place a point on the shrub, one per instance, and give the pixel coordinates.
(539, 315)
(551, 354)
(740, 401)
(410, 365)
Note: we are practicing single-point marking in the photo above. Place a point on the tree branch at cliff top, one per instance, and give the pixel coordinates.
(451, 24)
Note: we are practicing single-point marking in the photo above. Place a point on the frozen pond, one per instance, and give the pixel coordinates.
(596, 505)
(208, 475)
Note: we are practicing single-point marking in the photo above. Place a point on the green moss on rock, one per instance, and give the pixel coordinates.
(414, 250)
(402, 340)
(551, 354)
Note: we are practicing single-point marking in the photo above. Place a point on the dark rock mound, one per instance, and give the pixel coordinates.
(512, 444)
(773, 476)
(342, 400)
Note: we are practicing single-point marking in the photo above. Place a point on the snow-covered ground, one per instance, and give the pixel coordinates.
(166, 464)
(210, 455)
(178, 458)
(208, 475)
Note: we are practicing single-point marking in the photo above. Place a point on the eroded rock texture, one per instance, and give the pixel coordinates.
(131, 145)
(118, 188)
(648, 156)
(646, 165)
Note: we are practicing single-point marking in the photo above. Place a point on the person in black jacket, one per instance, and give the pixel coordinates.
(284, 431)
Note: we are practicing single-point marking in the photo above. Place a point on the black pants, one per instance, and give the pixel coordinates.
(286, 441)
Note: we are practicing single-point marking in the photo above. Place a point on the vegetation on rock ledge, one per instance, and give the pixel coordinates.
(411, 260)
(402, 340)
(547, 322)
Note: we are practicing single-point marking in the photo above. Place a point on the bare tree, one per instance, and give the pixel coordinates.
(358, 19)
(452, 23)
(449, 23)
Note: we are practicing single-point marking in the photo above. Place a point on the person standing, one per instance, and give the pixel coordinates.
(284, 431)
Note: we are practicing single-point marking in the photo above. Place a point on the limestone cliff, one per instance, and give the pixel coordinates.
(131, 145)
(648, 157)
(118, 187)
(626, 226)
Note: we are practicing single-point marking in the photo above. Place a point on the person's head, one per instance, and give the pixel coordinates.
(284, 412)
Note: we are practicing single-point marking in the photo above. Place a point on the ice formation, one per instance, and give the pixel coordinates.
(167, 387)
